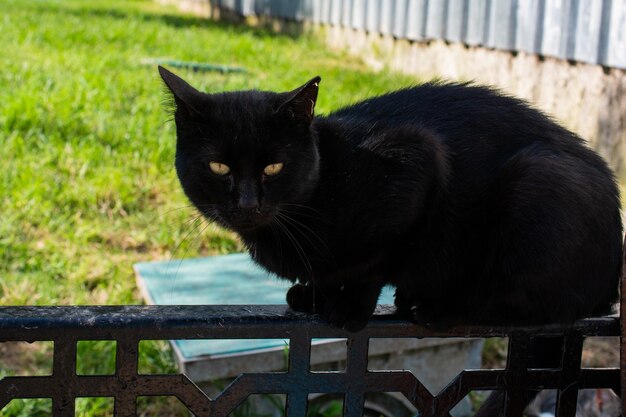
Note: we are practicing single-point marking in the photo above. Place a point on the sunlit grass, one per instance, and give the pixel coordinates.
(87, 185)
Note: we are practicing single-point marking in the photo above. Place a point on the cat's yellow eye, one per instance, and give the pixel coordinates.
(273, 169)
(219, 168)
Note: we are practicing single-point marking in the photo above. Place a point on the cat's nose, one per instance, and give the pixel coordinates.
(248, 202)
(248, 197)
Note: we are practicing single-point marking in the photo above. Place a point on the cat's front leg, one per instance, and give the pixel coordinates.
(306, 298)
(352, 305)
(421, 312)
(351, 292)
(346, 297)
(348, 306)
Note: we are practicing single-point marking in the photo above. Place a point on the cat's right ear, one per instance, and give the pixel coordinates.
(299, 104)
(185, 96)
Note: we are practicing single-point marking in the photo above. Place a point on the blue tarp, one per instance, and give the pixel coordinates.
(225, 279)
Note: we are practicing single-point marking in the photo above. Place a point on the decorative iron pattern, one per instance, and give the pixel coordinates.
(128, 325)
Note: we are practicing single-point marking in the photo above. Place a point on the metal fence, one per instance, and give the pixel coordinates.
(592, 31)
(128, 325)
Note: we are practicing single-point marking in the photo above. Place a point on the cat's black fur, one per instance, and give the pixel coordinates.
(476, 207)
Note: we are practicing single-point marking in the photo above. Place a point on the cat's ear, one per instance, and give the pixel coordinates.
(185, 96)
(299, 104)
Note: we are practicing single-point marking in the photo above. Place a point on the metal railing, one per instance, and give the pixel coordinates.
(128, 325)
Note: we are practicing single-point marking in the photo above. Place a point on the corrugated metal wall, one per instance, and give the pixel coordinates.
(592, 31)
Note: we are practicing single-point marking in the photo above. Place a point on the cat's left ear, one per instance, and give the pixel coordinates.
(185, 96)
(299, 104)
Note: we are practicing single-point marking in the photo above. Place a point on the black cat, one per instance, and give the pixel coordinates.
(476, 207)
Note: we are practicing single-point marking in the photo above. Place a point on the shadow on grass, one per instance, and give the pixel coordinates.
(264, 29)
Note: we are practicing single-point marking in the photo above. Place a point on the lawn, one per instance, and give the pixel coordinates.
(87, 185)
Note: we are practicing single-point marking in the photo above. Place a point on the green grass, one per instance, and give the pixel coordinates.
(87, 186)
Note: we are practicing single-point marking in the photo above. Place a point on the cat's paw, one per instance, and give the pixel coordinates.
(403, 304)
(348, 316)
(301, 298)
(421, 315)
(417, 313)
(431, 318)
(346, 321)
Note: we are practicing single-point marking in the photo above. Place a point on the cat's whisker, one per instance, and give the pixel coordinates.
(159, 225)
(297, 213)
(301, 227)
(301, 253)
(299, 250)
(180, 261)
(163, 213)
(192, 219)
(278, 244)
(284, 229)
(286, 215)
(303, 207)
(195, 224)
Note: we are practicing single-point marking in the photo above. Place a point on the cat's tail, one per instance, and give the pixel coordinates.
(544, 352)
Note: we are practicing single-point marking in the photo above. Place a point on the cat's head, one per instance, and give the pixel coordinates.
(243, 156)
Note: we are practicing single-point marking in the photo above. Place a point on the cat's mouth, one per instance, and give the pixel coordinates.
(249, 221)
(246, 226)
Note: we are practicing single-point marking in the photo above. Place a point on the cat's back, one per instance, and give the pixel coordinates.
(432, 101)
(458, 112)
(481, 127)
